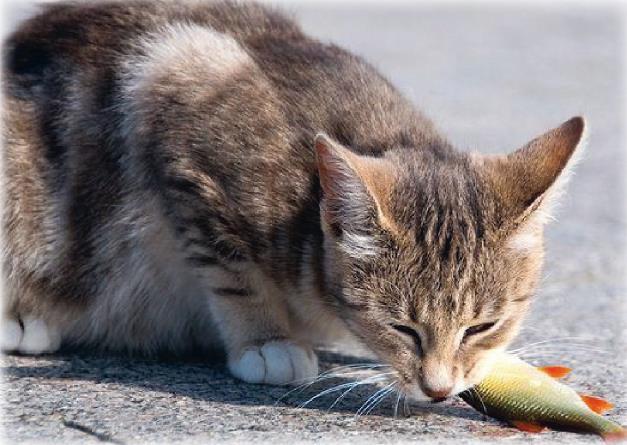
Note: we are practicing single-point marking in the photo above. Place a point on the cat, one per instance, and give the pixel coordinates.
(185, 176)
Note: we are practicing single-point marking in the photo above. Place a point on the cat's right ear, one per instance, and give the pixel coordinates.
(355, 188)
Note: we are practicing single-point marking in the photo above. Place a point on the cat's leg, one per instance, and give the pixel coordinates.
(254, 326)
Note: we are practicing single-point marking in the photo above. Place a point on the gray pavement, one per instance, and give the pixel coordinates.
(492, 78)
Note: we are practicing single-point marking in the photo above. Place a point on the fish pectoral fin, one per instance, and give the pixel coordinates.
(557, 372)
(596, 404)
(528, 427)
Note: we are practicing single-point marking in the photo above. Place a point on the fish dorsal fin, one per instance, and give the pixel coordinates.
(557, 372)
(596, 404)
(528, 427)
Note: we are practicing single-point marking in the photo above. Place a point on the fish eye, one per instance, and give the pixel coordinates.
(478, 329)
(412, 333)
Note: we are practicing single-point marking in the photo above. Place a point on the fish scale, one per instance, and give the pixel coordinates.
(518, 392)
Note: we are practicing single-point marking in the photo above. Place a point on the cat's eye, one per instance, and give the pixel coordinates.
(412, 333)
(478, 329)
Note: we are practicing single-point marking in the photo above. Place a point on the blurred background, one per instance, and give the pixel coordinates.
(492, 77)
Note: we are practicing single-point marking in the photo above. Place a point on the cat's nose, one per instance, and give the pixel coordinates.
(437, 394)
(437, 379)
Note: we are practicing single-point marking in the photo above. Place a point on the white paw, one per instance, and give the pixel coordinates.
(275, 363)
(11, 335)
(36, 337)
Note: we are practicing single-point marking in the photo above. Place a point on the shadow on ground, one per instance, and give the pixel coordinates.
(209, 381)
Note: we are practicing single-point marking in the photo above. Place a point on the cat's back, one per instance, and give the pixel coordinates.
(75, 77)
(66, 35)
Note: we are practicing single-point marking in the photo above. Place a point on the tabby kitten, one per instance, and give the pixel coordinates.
(185, 175)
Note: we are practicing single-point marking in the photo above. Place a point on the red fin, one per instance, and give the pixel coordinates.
(616, 436)
(529, 427)
(596, 404)
(557, 372)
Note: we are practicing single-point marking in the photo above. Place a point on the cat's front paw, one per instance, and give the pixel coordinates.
(32, 336)
(275, 363)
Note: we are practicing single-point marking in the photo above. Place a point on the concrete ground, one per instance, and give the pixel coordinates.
(492, 78)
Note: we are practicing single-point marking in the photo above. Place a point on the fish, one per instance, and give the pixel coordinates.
(533, 399)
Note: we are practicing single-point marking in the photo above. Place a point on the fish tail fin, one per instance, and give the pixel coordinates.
(615, 436)
(596, 404)
(557, 372)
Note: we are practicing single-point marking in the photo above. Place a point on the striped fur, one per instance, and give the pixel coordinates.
(165, 191)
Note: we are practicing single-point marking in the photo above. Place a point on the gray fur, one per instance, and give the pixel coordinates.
(165, 192)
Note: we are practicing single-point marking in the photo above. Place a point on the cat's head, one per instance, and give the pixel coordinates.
(434, 255)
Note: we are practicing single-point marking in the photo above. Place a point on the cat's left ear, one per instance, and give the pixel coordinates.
(529, 180)
(355, 188)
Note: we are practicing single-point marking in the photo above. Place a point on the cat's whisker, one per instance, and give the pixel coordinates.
(373, 399)
(368, 400)
(351, 369)
(338, 371)
(319, 379)
(558, 355)
(565, 348)
(553, 350)
(556, 351)
(341, 397)
(560, 347)
(405, 406)
(328, 391)
(356, 369)
(378, 401)
(398, 401)
(564, 338)
(555, 340)
(368, 380)
(354, 365)
(541, 360)
(476, 394)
